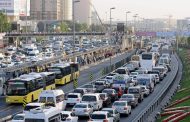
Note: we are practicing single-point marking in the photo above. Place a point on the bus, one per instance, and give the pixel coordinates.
(31, 84)
(148, 60)
(26, 86)
(54, 98)
(63, 72)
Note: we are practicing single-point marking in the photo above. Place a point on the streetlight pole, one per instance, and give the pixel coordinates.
(126, 26)
(73, 58)
(110, 30)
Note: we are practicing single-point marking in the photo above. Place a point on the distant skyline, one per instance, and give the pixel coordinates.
(147, 9)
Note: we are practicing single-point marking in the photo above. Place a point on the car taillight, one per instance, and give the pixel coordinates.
(77, 99)
(113, 94)
(105, 120)
(125, 108)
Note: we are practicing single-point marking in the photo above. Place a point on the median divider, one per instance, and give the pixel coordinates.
(105, 71)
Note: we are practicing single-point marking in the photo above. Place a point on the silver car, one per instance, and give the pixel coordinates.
(130, 98)
(114, 114)
(122, 107)
(82, 109)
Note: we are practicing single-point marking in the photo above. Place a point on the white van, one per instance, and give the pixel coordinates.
(53, 98)
(30, 106)
(94, 100)
(48, 114)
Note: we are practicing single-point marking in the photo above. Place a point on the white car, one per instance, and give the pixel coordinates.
(67, 116)
(109, 79)
(73, 98)
(122, 107)
(82, 109)
(101, 116)
(18, 118)
(145, 90)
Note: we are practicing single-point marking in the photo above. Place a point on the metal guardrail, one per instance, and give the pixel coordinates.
(48, 61)
(142, 117)
(52, 34)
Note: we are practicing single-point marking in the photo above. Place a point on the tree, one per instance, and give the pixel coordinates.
(64, 27)
(188, 40)
(4, 24)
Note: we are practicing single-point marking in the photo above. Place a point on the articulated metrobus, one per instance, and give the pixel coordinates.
(63, 72)
(29, 86)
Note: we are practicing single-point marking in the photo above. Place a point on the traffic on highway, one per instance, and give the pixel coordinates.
(108, 99)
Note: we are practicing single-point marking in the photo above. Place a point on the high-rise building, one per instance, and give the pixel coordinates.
(67, 10)
(14, 9)
(46, 9)
(183, 24)
(83, 11)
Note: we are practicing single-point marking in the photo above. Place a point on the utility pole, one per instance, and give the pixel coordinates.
(73, 48)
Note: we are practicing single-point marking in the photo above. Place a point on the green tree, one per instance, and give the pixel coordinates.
(188, 40)
(4, 24)
(64, 27)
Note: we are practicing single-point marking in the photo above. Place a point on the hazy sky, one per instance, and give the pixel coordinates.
(145, 8)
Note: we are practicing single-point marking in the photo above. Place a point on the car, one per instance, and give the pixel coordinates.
(122, 107)
(112, 93)
(90, 88)
(106, 99)
(130, 98)
(100, 86)
(145, 90)
(73, 98)
(18, 118)
(82, 109)
(109, 79)
(82, 91)
(101, 116)
(114, 114)
(93, 99)
(67, 116)
(137, 91)
(130, 67)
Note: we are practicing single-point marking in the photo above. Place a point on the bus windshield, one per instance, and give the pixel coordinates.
(146, 56)
(16, 88)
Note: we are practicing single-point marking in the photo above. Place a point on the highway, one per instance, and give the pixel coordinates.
(7, 110)
(142, 106)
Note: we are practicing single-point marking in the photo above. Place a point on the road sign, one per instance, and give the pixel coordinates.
(91, 77)
(24, 101)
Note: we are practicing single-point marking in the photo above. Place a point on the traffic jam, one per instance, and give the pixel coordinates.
(104, 100)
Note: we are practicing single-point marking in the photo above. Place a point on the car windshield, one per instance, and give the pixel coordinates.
(134, 73)
(107, 91)
(127, 96)
(89, 98)
(80, 106)
(134, 90)
(28, 107)
(109, 78)
(98, 116)
(119, 103)
(34, 120)
(72, 96)
(143, 81)
(18, 117)
(146, 56)
(99, 83)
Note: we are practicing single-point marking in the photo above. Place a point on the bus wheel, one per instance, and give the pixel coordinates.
(32, 99)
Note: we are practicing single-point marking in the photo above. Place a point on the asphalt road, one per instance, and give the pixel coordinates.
(6, 110)
(146, 101)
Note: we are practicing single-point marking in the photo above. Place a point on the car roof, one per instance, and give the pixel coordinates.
(100, 112)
